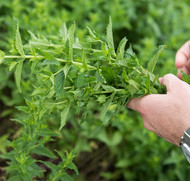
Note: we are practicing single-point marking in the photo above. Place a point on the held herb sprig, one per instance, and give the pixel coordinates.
(68, 73)
(84, 70)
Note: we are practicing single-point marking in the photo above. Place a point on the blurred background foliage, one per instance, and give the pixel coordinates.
(122, 149)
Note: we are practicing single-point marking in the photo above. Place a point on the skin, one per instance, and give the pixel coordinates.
(168, 114)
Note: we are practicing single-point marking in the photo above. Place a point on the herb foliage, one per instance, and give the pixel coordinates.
(70, 73)
(121, 144)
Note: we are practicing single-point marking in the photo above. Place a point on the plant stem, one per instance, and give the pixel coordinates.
(40, 57)
(26, 56)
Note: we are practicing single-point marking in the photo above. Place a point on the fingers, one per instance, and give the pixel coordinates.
(144, 103)
(183, 55)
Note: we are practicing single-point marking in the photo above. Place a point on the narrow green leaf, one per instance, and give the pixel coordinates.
(62, 155)
(63, 31)
(147, 83)
(23, 108)
(32, 35)
(106, 106)
(8, 155)
(49, 58)
(2, 55)
(50, 61)
(108, 88)
(130, 51)
(108, 73)
(121, 49)
(47, 132)
(153, 61)
(18, 73)
(66, 69)
(33, 66)
(39, 43)
(91, 32)
(185, 77)
(18, 41)
(104, 49)
(109, 36)
(71, 41)
(64, 115)
(134, 84)
(59, 81)
(72, 166)
(80, 80)
(124, 75)
(83, 58)
(97, 86)
(99, 76)
(153, 90)
(133, 87)
(66, 177)
(21, 121)
(41, 150)
(15, 178)
(151, 75)
(32, 50)
(12, 65)
(52, 166)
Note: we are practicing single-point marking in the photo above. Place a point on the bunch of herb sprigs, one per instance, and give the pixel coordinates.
(85, 71)
(67, 73)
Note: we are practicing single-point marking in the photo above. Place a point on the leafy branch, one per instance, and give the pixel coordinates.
(68, 73)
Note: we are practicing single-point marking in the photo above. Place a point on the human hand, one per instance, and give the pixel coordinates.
(168, 115)
(182, 59)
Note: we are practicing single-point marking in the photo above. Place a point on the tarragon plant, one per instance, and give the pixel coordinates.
(69, 74)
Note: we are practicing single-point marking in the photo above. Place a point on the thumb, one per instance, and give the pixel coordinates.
(134, 104)
(139, 104)
(146, 103)
(171, 82)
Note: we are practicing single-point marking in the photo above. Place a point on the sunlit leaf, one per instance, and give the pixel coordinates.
(64, 115)
(18, 73)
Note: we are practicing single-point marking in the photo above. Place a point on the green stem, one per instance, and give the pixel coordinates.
(58, 59)
(57, 175)
(26, 56)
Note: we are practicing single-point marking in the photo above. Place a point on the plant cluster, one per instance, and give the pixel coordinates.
(50, 87)
(70, 74)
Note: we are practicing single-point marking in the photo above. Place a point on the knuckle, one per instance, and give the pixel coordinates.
(168, 76)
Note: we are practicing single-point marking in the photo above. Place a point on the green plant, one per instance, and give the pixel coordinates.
(146, 24)
(69, 74)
